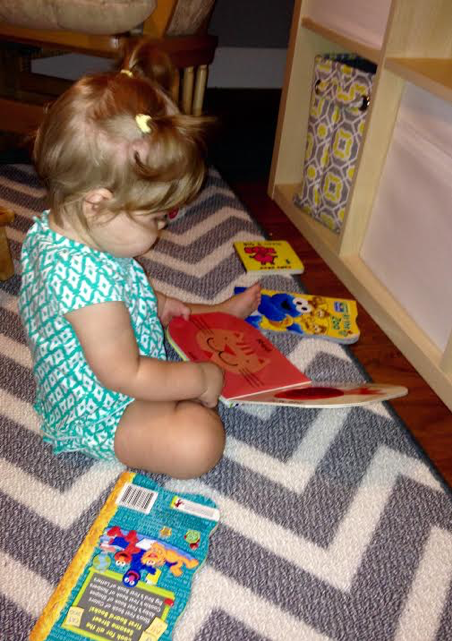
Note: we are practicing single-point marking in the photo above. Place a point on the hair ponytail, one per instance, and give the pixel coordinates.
(144, 60)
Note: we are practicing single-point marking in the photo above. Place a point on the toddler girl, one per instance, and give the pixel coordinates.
(115, 155)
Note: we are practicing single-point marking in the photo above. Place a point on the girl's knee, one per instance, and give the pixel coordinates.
(184, 441)
(202, 440)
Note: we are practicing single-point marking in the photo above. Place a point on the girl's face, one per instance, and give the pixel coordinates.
(126, 235)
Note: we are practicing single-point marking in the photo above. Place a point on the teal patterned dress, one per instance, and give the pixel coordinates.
(60, 275)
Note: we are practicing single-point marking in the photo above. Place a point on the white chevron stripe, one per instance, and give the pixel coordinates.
(202, 267)
(213, 591)
(18, 352)
(172, 290)
(310, 348)
(60, 508)
(204, 226)
(338, 564)
(307, 350)
(429, 590)
(19, 411)
(296, 473)
(24, 587)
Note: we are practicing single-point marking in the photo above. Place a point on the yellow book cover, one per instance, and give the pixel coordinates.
(268, 255)
(333, 319)
(131, 577)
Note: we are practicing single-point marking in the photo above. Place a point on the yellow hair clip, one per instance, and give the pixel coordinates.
(143, 121)
(127, 72)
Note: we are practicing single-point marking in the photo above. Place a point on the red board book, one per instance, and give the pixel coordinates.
(251, 363)
(256, 371)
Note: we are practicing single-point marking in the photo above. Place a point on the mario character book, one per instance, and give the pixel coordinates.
(332, 319)
(131, 578)
(268, 255)
(256, 372)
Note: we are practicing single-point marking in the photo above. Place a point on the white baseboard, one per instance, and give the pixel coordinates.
(233, 67)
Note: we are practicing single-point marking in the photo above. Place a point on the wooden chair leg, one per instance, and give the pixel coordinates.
(175, 91)
(187, 90)
(6, 261)
(200, 87)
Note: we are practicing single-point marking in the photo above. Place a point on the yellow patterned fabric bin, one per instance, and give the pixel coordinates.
(340, 99)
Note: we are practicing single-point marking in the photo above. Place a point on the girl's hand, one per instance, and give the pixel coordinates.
(169, 307)
(214, 381)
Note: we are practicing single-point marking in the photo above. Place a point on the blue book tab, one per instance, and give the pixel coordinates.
(131, 577)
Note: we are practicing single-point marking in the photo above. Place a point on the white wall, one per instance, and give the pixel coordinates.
(233, 67)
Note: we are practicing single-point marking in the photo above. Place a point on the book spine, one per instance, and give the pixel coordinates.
(58, 600)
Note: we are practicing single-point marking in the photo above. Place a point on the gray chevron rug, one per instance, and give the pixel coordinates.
(333, 523)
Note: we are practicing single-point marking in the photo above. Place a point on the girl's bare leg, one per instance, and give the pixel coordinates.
(240, 305)
(182, 439)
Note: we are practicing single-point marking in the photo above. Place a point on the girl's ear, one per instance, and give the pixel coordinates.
(93, 199)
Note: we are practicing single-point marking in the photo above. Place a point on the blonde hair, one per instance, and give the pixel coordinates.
(90, 139)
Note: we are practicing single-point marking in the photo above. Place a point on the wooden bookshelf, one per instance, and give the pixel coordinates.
(416, 48)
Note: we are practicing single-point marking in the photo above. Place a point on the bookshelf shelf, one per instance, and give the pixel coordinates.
(432, 74)
(411, 53)
(347, 43)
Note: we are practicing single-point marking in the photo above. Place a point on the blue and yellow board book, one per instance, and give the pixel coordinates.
(333, 319)
(131, 577)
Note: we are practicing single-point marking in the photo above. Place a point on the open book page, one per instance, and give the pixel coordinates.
(329, 395)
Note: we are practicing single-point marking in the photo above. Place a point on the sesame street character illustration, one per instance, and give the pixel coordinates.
(319, 307)
(193, 538)
(131, 578)
(279, 310)
(101, 562)
(309, 316)
(160, 554)
(139, 556)
(312, 325)
(124, 543)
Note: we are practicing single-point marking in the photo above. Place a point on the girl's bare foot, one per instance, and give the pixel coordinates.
(241, 305)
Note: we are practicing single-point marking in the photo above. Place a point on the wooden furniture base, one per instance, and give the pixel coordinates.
(6, 261)
(23, 93)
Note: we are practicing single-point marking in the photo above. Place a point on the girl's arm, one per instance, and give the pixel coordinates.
(108, 342)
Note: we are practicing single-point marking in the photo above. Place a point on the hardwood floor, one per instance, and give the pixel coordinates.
(242, 153)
